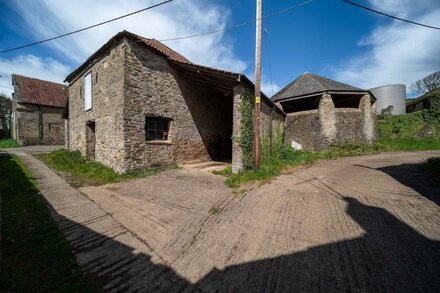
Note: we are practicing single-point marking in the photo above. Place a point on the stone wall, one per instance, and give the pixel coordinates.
(201, 118)
(130, 83)
(329, 126)
(271, 125)
(36, 125)
(106, 111)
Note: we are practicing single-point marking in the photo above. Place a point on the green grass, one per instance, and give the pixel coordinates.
(396, 133)
(81, 172)
(8, 143)
(433, 165)
(35, 255)
(287, 158)
(408, 144)
(403, 126)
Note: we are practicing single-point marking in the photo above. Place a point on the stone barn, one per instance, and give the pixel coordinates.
(37, 106)
(137, 103)
(322, 113)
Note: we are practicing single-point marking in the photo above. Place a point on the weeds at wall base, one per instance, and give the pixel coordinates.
(285, 158)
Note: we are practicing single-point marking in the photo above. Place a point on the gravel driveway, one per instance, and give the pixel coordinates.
(368, 223)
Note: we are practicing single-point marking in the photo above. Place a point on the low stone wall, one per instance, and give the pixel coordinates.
(327, 126)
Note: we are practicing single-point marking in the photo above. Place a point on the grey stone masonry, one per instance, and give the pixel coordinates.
(133, 84)
(35, 124)
(271, 128)
(329, 126)
(237, 153)
(106, 112)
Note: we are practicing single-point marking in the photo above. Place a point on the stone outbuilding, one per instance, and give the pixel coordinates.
(37, 106)
(137, 103)
(322, 113)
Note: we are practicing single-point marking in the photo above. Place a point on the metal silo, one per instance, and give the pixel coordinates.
(390, 95)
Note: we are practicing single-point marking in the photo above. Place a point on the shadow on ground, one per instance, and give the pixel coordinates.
(390, 256)
(412, 176)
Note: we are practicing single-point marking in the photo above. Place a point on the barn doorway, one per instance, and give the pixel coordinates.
(90, 140)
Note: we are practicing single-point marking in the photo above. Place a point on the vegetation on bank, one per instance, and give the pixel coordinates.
(8, 143)
(433, 165)
(78, 171)
(410, 132)
(35, 255)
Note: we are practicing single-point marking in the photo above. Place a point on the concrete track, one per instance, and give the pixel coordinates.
(368, 223)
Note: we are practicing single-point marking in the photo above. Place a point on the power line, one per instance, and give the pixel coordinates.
(392, 16)
(237, 25)
(266, 45)
(86, 28)
(6, 87)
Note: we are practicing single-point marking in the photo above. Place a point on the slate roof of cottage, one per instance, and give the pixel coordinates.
(39, 92)
(153, 44)
(309, 83)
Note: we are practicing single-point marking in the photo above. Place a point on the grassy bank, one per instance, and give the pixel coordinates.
(287, 158)
(396, 133)
(35, 255)
(8, 143)
(81, 172)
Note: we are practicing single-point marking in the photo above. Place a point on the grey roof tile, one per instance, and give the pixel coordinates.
(310, 83)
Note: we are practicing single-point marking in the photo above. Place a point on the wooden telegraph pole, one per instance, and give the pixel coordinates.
(257, 105)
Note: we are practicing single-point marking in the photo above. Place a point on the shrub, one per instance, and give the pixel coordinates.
(433, 164)
(431, 114)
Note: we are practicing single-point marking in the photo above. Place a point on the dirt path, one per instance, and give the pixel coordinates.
(367, 223)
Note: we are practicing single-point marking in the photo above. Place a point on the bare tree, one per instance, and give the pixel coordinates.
(427, 84)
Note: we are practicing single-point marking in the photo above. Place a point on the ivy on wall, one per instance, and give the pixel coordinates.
(432, 113)
(247, 130)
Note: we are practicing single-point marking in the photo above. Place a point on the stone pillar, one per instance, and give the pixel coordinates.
(237, 153)
(327, 118)
(66, 134)
(368, 118)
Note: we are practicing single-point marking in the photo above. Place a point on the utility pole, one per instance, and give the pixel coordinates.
(257, 105)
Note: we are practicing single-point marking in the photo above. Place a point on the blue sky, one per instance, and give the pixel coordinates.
(327, 37)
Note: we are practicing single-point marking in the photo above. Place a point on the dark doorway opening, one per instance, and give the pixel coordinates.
(90, 140)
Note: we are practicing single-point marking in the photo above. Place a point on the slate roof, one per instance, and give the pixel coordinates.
(39, 92)
(153, 44)
(310, 83)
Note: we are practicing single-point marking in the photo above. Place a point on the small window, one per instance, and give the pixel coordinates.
(156, 128)
(88, 92)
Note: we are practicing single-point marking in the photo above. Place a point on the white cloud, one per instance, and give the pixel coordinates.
(47, 18)
(33, 66)
(269, 88)
(397, 52)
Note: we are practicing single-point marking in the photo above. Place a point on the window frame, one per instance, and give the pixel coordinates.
(163, 128)
(88, 106)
